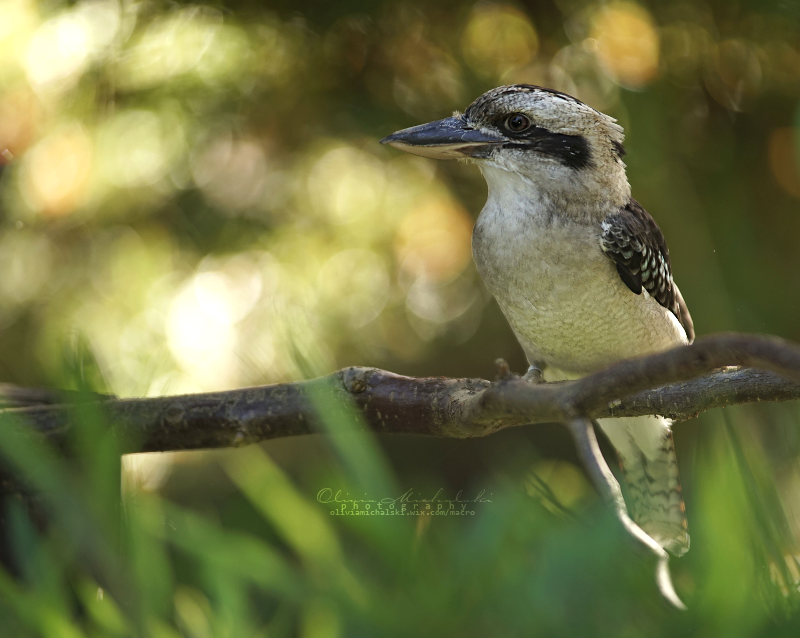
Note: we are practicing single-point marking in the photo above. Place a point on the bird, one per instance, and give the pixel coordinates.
(578, 267)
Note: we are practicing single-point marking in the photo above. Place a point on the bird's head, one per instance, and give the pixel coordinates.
(531, 138)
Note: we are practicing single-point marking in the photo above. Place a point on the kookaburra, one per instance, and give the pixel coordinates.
(580, 270)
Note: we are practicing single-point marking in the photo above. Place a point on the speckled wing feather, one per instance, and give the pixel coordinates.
(633, 240)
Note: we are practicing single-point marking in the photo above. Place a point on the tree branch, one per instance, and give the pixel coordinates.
(678, 384)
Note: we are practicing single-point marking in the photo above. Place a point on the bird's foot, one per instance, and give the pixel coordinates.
(534, 375)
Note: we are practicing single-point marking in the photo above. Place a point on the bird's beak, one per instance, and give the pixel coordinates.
(450, 138)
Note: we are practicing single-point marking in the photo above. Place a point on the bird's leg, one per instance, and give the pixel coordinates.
(535, 373)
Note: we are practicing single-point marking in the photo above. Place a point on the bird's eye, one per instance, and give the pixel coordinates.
(517, 122)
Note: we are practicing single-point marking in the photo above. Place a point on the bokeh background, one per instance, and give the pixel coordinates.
(193, 198)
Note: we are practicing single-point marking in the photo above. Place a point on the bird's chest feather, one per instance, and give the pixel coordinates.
(561, 294)
(540, 261)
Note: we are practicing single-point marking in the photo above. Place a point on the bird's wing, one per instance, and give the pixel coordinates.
(632, 239)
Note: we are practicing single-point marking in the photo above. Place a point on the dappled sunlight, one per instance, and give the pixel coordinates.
(439, 303)
(627, 43)
(577, 70)
(498, 37)
(169, 47)
(228, 289)
(20, 118)
(58, 52)
(202, 337)
(138, 147)
(57, 171)
(62, 48)
(390, 228)
(228, 52)
(201, 325)
(434, 240)
(20, 19)
(225, 221)
(232, 174)
(144, 263)
(26, 261)
(356, 284)
(147, 472)
(411, 180)
(346, 184)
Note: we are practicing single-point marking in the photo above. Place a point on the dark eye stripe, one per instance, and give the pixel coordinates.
(570, 150)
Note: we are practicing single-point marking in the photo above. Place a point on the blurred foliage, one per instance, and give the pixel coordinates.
(274, 561)
(193, 198)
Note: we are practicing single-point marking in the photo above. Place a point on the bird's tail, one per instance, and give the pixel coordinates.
(651, 482)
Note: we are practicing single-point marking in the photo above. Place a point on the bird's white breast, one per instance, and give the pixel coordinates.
(562, 296)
